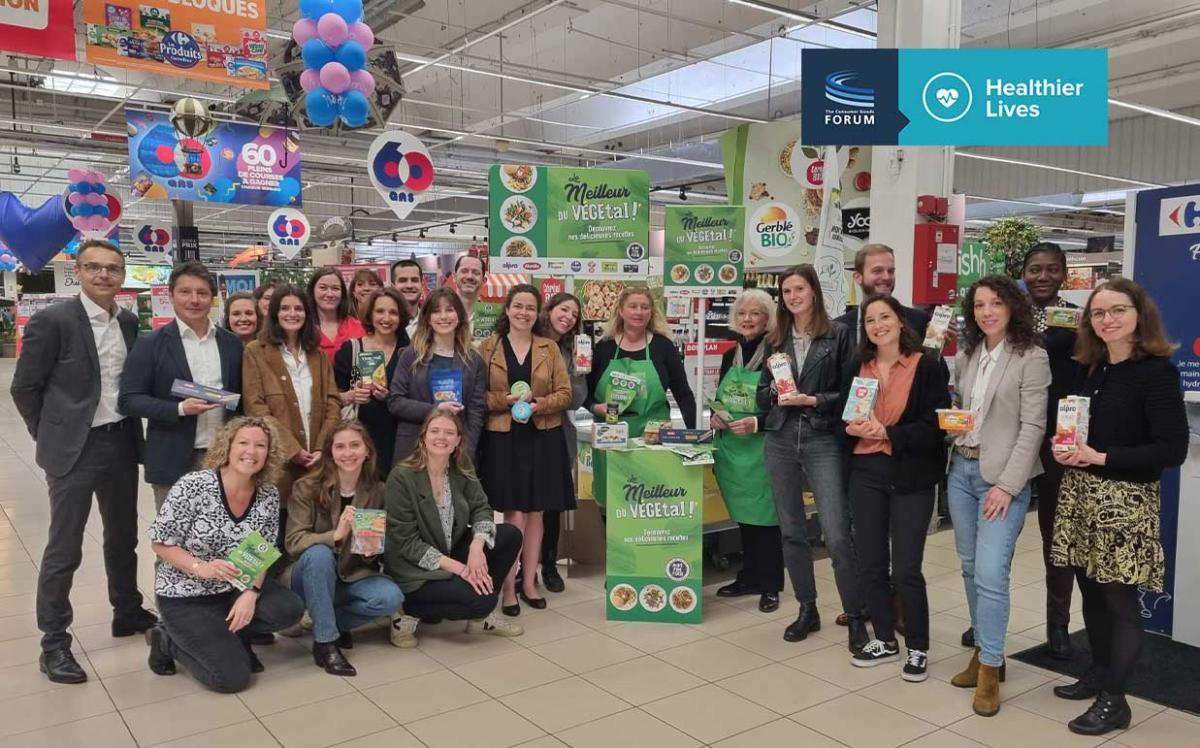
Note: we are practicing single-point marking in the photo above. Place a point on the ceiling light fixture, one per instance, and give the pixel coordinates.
(1155, 111)
(453, 228)
(683, 193)
(813, 20)
(1048, 167)
(422, 234)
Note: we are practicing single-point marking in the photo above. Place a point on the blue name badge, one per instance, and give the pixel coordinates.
(955, 96)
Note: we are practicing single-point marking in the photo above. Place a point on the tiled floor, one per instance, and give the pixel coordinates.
(573, 679)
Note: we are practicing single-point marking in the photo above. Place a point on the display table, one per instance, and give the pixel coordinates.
(654, 534)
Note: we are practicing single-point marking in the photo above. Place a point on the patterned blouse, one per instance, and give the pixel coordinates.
(195, 516)
(433, 557)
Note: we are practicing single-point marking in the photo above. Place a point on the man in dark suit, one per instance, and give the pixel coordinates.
(875, 272)
(66, 388)
(193, 349)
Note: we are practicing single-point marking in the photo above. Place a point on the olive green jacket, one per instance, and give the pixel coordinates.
(413, 523)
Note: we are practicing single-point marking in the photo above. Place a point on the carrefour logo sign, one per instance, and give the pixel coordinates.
(1179, 215)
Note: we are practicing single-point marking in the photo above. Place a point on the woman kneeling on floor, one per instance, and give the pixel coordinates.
(341, 588)
(443, 546)
(206, 622)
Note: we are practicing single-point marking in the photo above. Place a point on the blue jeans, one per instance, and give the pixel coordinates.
(337, 606)
(985, 549)
(796, 454)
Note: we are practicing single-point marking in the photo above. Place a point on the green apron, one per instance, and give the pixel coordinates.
(740, 469)
(650, 404)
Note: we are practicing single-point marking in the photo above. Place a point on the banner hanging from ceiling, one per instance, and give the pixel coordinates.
(955, 96)
(289, 230)
(703, 250)
(221, 42)
(584, 222)
(39, 28)
(235, 163)
(401, 170)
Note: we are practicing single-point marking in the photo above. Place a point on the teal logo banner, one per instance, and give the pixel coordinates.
(955, 96)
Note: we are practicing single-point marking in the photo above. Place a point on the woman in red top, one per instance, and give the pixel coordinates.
(327, 294)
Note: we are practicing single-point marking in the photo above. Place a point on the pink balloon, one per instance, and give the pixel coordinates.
(99, 223)
(76, 175)
(303, 30)
(95, 176)
(332, 29)
(362, 80)
(335, 77)
(94, 198)
(362, 33)
(310, 79)
(75, 198)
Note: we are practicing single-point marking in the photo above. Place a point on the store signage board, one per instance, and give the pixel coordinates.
(654, 537)
(39, 28)
(216, 42)
(235, 163)
(289, 230)
(592, 223)
(401, 169)
(955, 96)
(704, 253)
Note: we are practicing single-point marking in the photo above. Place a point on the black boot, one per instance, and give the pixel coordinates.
(256, 665)
(345, 640)
(1087, 687)
(737, 588)
(1109, 712)
(968, 638)
(1058, 642)
(858, 633)
(808, 621)
(160, 660)
(328, 656)
(551, 579)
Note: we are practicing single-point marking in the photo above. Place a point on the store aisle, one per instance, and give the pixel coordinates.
(573, 678)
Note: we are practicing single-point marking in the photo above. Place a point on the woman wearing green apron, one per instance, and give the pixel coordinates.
(636, 362)
(740, 469)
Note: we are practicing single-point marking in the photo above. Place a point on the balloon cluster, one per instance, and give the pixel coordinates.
(7, 261)
(89, 205)
(334, 41)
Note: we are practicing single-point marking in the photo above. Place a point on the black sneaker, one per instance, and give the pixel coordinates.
(916, 667)
(875, 653)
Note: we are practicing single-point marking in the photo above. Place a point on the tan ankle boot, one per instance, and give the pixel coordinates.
(987, 692)
(969, 677)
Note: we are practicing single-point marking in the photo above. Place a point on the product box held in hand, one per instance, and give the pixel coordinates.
(1072, 424)
(610, 435)
(861, 400)
(230, 400)
(685, 436)
(446, 385)
(373, 369)
(583, 354)
(252, 557)
(370, 525)
(956, 420)
(939, 325)
(1063, 316)
(781, 370)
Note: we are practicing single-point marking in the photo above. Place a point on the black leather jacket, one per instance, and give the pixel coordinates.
(827, 370)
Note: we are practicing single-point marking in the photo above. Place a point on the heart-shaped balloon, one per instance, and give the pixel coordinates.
(35, 235)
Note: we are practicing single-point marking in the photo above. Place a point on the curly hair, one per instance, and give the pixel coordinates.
(419, 459)
(218, 453)
(909, 342)
(1021, 334)
(543, 325)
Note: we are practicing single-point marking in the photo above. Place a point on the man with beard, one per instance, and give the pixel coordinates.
(406, 278)
(468, 281)
(875, 272)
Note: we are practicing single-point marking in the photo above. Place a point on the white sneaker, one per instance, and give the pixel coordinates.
(404, 631)
(495, 626)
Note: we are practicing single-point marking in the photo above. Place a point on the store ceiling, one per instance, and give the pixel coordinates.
(647, 83)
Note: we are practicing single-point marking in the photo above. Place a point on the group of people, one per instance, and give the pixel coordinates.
(453, 434)
(873, 478)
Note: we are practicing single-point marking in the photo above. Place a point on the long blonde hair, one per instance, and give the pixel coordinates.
(419, 459)
(218, 453)
(422, 342)
(615, 326)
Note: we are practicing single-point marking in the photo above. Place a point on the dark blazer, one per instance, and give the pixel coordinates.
(915, 318)
(373, 414)
(410, 400)
(918, 444)
(1065, 372)
(414, 525)
(56, 385)
(153, 365)
(828, 370)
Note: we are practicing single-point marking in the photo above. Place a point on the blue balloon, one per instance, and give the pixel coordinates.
(354, 108)
(316, 53)
(314, 9)
(322, 107)
(99, 188)
(351, 10)
(82, 188)
(351, 54)
(100, 210)
(34, 235)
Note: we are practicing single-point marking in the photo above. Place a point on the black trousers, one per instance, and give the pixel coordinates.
(886, 516)
(551, 524)
(199, 637)
(454, 599)
(1059, 579)
(762, 558)
(108, 468)
(1113, 617)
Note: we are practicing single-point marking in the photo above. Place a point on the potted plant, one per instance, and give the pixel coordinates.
(1008, 239)
(8, 337)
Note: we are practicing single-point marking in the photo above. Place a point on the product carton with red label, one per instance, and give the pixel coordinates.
(1072, 428)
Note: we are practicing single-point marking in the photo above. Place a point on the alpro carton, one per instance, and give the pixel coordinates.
(1072, 428)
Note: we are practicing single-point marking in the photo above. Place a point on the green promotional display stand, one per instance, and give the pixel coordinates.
(655, 541)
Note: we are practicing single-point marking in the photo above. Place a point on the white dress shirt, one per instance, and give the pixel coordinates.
(302, 383)
(204, 360)
(989, 361)
(110, 350)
